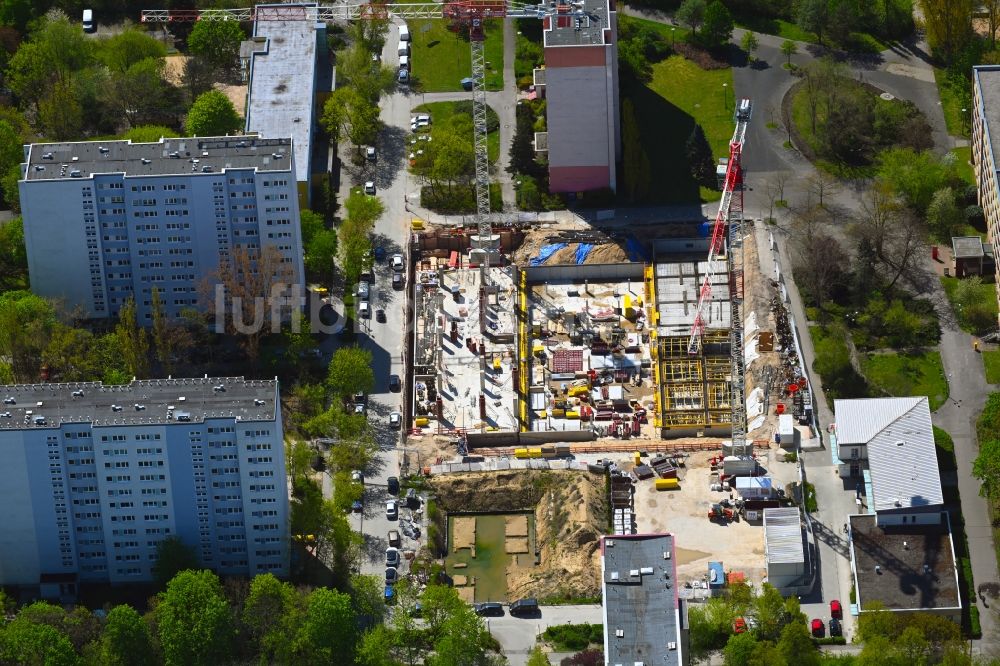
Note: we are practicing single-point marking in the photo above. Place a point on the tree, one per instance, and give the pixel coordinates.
(889, 234)
(376, 647)
(250, 284)
(125, 638)
(992, 8)
(634, 157)
(171, 339)
(348, 113)
(717, 29)
(522, 149)
(538, 658)
(172, 557)
(59, 112)
(739, 650)
(350, 372)
(198, 77)
(69, 355)
(273, 613)
(218, 42)
(769, 611)
(915, 176)
(328, 630)
(194, 621)
(17, 13)
(370, 34)
(692, 14)
(943, 214)
(749, 44)
(134, 340)
(463, 640)
(212, 114)
(25, 642)
(140, 92)
(699, 155)
(949, 26)
(128, 47)
(26, 325)
(13, 254)
(321, 253)
(796, 645)
(813, 16)
(55, 51)
(986, 468)
(149, 133)
(368, 597)
(789, 48)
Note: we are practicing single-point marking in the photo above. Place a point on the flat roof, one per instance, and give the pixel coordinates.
(282, 85)
(640, 600)
(188, 155)
(902, 458)
(583, 25)
(967, 247)
(989, 89)
(916, 564)
(783, 542)
(141, 402)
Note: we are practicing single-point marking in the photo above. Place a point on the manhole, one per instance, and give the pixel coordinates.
(887, 96)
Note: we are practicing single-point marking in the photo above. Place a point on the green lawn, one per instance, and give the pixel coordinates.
(779, 27)
(963, 162)
(953, 99)
(667, 108)
(945, 450)
(441, 58)
(441, 111)
(991, 360)
(987, 295)
(905, 374)
(527, 49)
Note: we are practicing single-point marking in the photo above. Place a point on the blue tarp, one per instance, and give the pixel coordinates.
(546, 252)
(582, 250)
(636, 252)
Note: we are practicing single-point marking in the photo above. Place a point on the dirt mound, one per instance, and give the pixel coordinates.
(571, 514)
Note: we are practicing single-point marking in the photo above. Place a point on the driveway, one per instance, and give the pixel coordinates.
(517, 635)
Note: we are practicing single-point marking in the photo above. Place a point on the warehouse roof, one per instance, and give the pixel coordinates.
(183, 156)
(967, 247)
(783, 536)
(641, 616)
(141, 402)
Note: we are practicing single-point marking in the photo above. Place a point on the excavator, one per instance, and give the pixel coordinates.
(719, 512)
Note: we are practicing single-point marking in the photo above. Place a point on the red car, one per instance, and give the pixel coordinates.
(739, 626)
(836, 610)
(817, 628)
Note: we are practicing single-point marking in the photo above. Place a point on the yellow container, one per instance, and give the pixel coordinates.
(638, 458)
(578, 390)
(535, 453)
(537, 349)
(572, 414)
(521, 453)
(558, 413)
(420, 421)
(417, 223)
(543, 414)
(667, 484)
(496, 363)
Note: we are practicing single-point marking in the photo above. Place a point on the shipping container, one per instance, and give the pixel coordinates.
(420, 421)
(573, 414)
(521, 454)
(535, 453)
(667, 484)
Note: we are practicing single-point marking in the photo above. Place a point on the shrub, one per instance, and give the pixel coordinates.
(573, 637)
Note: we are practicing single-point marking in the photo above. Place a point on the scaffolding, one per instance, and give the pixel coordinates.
(694, 390)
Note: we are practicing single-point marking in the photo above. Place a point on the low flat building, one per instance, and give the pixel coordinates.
(905, 567)
(643, 617)
(971, 255)
(784, 550)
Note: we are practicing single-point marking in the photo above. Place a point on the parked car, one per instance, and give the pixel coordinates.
(380, 254)
(394, 383)
(395, 420)
(391, 510)
(391, 576)
(403, 76)
(364, 289)
(391, 557)
(393, 538)
(357, 506)
(836, 610)
(380, 316)
(364, 309)
(393, 485)
(835, 628)
(739, 626)
(490, 608)
(398, 280)
(370, 153)
(357, 476)
(817, 628)
(359, 408)
(397, 262)
(370, 187)
(525, 607)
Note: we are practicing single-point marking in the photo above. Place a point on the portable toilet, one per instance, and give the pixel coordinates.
(788, 436)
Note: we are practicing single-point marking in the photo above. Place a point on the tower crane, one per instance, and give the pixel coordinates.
(729, 221)
(469, 12)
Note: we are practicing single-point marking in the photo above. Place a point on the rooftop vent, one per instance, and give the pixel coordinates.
(646, 571)
(620, 633)
(138, 407)
(206, 169)
(219, 388)
(614, 575)
(76, 159)
(258, 402)
(145, 160)
(277, 156)
(633, 572)
(39, 403)
(927, 569)
(878, 569)
(46, 156)
(671, 645)
(5, 415)
(39, 420)
(78, 393)
(116, 408)
(666, 554)
(610, 543)
(103, 150)
(204, 153)
(906, 545)
(39, 167)
(75, 173)
(181, 399)
(900, 442)
(175, 155)
(183, 416)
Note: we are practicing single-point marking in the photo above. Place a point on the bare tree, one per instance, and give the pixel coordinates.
(895, 236)
(822, 185)
(818, 258)
(171, 339)
(252, 287)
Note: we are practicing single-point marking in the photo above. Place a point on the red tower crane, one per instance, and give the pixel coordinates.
(729, 220)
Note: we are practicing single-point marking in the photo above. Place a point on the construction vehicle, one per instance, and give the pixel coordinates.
(729, 222)
(719, 512)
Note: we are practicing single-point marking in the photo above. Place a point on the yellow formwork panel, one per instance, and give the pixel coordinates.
(688, 397)
(674, 419)
(717, 368)
(681, 370)
(718, 396)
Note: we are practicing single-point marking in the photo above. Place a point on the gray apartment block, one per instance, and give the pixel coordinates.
(93, 477)
(106, 220)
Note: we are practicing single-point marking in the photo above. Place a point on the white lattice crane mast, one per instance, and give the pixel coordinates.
(729, 220)
(471, 12)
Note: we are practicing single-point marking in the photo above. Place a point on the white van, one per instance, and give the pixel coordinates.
(404, 49)
(404, 33)
(88, 20)
(404, 62)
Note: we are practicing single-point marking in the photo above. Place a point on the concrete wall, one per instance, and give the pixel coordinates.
(596, 272)
(507, 439)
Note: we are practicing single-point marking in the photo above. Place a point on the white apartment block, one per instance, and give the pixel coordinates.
(986, 130)
(94, 477)
(105, 220)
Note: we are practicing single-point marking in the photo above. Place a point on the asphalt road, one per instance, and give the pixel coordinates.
(517, 635)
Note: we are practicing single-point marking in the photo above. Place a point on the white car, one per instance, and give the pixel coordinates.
(397, 262)
(370, 153)
(391, 510)
(370, 187)
(364, 309)
(395, 420)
